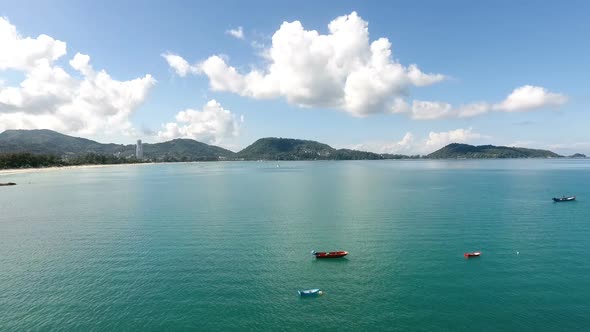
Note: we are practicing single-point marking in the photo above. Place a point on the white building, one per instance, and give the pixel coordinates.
(139, 150)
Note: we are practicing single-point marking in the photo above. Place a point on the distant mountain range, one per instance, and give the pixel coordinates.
(48, 142)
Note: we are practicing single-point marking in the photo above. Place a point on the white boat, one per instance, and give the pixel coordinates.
(310, 292)
(564, 199)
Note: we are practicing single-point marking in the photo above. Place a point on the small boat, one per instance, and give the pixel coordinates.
(330, 254)
(564, 199)
(8, 184)
(310, 292)
(472, 254)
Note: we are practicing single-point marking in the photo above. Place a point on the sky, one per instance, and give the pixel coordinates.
(390, 77)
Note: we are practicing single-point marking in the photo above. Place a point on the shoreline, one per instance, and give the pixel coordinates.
(11, 171)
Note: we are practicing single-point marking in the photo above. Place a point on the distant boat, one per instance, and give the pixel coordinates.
(472, 254)
(331, 254)
(564, 199)
(310, 292)
(8, 184)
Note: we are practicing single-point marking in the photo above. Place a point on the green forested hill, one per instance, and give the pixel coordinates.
(48, 142)
(456, 150)
(273, 148)
(59, 148)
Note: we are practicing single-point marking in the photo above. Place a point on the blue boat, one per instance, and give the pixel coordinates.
(310, 292)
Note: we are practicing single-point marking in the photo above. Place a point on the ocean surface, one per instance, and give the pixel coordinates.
(226, 245)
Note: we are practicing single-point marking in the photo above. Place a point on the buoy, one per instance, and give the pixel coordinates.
(517, 252)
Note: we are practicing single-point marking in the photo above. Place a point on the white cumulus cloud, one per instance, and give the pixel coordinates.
(530, 97)
(524, 98)
(211, 125)
(49, 97)
(438, 140)
(342, 69)
(23, 53)
(236, 33)
(180, 65)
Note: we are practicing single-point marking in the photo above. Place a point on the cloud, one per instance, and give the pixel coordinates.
(411, 145)
(399, 105)
(23, 54)
(49, 97)
(180, 65)
(530, 97)
(237, 33)
(342, 69)
(428, 110)
(211, 125)
(418, 78)
(404, 146)
(222, 77)
(524, 98)
(438, 140)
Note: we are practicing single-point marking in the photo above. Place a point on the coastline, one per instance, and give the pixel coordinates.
(11, 171)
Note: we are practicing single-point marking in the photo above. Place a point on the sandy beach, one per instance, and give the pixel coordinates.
(4, 172)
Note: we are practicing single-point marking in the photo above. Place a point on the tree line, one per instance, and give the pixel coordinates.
(29, 160)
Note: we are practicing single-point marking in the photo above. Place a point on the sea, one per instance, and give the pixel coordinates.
(225, 246)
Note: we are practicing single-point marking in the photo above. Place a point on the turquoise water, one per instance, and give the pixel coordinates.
(226, 246)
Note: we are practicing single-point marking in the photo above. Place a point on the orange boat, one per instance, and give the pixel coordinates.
(472, 254)
(330, 254)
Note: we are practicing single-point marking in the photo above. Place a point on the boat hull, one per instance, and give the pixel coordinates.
(564, 199)
(331, 254)
(472, 254)
(310, 292)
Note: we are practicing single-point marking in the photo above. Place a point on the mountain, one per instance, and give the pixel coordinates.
(578, 155)
(273, 148)
(80, 150)
(48, 142)
(460, 151)
(347, 154)
(184, 150)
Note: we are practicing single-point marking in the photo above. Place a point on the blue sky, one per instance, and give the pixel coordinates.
(485, 51)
